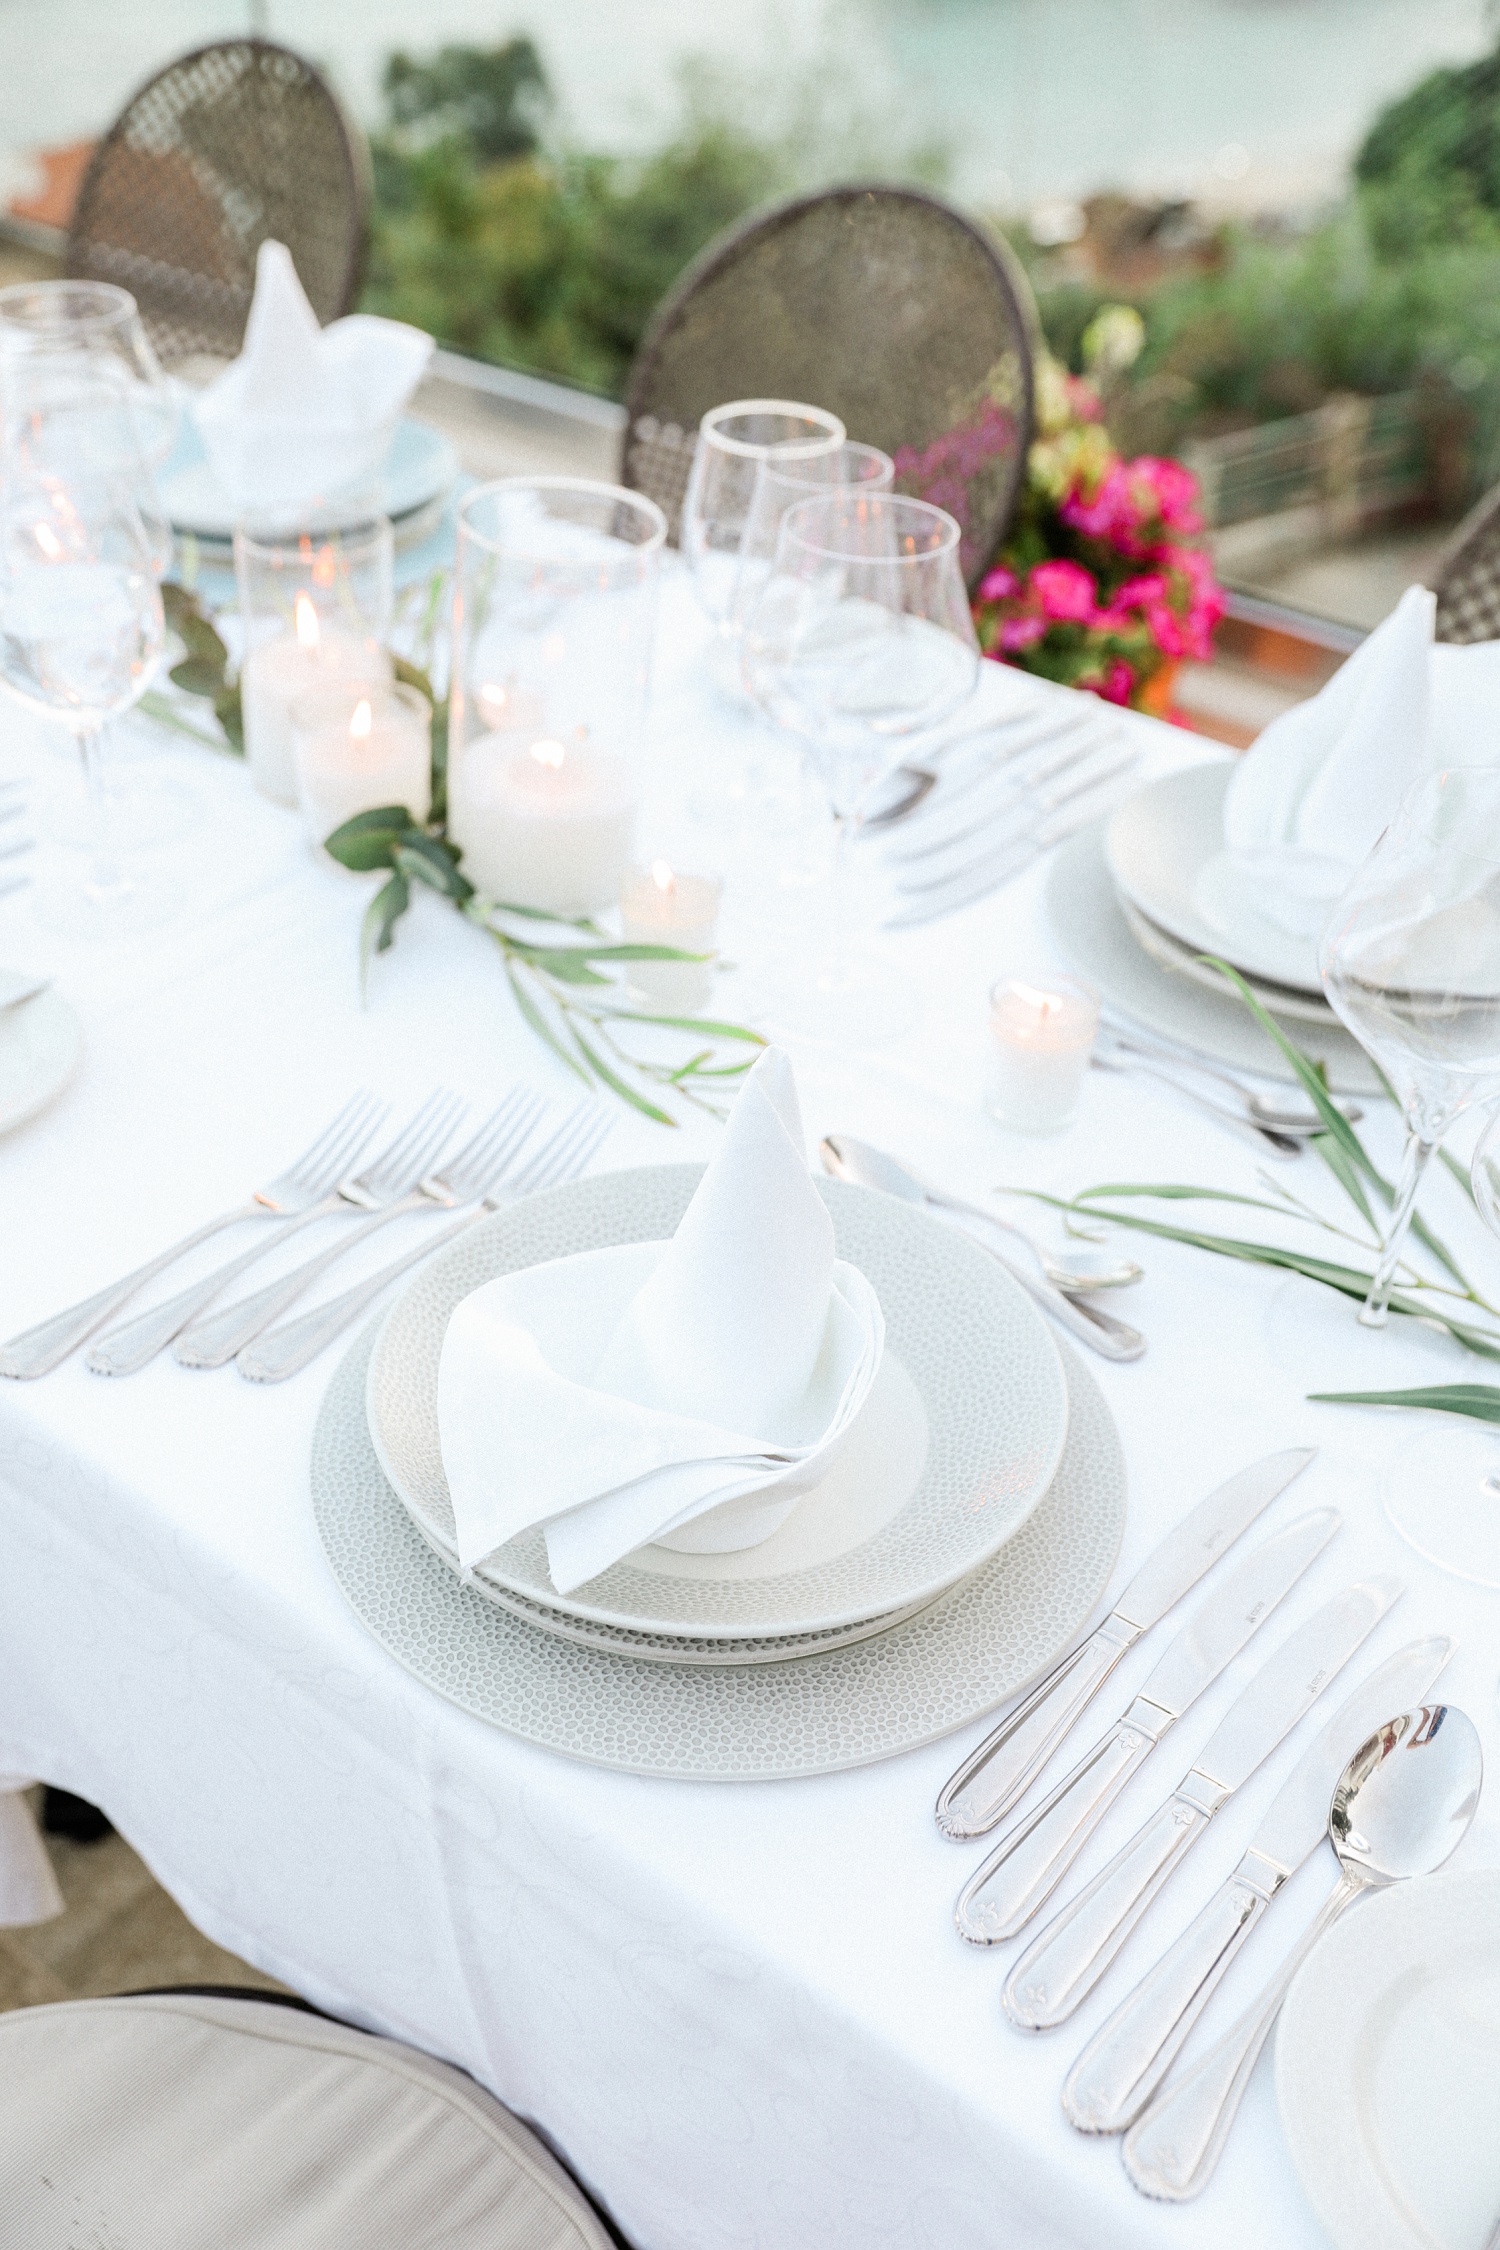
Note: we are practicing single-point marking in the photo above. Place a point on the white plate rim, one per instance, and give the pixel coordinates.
(942, 1670)
(437, 480)
(1281, 999)
(394, 1340)
(1278, 957)
(67, 1032)
(1332, 1997)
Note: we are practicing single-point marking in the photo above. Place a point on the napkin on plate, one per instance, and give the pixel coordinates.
(622, 1396)
(305, 411)
(1309, 799)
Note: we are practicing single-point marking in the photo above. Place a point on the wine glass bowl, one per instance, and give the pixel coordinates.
(733, 441)
(92, 326)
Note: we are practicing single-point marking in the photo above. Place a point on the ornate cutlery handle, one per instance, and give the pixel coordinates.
(292, 1346)
(130, 1346)
(216, 1340)
(1174, 2150)
(1062, 1966)
(36, 1351)
(997, 1774)
(1027, 1865)
(1129, 2056)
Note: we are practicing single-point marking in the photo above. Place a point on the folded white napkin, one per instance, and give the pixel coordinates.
(620, 1395)
(305, 411)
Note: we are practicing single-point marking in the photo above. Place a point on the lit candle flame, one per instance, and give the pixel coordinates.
(662, 876)
(325, 567)
(363, 719)
(307, 621)
(1046, 1004)
(549, 754)
(48, 541)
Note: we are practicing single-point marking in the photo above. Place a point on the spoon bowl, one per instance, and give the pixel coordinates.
(1082, 1271)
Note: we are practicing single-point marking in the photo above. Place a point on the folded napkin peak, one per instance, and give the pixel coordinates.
(305, 411)
(618, 1396)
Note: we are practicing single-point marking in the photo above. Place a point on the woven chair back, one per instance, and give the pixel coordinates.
(226, 148)
(1466, 577)
(882, 305)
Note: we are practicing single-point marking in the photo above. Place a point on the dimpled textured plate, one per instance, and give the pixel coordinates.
(940, 1670)
(979, 1353)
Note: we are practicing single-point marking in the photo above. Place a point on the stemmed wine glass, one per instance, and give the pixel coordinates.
(94, 328)
(81, 622)
(779, 485)
(859, 640)
(733, 441)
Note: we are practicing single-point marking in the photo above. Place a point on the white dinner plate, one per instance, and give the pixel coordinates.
(1388, 2068)
(1088, 925)
(1282, 999)
(421, 468)
(955, 1446)
(965, 1653)
(40, 1043)
(1160, 841)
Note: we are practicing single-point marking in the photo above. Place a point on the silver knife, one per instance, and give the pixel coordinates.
(996, 1775)
(1030, 1861)
(1062, 1966)
(1128, 2057)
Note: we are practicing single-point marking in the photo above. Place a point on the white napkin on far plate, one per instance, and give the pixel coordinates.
(305, 411)
(619, 1396)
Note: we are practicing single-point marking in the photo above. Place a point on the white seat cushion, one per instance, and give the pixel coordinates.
(175, 2122)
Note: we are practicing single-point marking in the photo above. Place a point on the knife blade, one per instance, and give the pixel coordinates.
(1061, 1966)
(993, 1778)
(1128, 2057)
(1031, 1859)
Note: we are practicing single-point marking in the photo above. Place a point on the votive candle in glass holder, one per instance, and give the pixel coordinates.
(554, 611)
(658, 906)
(1043, 1031)
(314, 611)
(360, 744)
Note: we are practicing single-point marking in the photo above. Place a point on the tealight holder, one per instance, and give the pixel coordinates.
(360, 744)
(1042, 1029)
(659, 905)
(314, 611)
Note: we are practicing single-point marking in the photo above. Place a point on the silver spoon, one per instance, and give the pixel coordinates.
(1402, 1805)
(1080, 1272)
(16, 990)
(913, 783)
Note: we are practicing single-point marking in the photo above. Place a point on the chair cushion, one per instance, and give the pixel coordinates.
(173, 2122)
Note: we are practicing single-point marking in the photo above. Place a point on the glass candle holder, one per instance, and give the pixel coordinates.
(360, 744)
(660, 906)
(314, 610)
(1043, 1031)
(554, 615)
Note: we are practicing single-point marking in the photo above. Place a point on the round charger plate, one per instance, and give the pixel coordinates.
(1283, 999)
(1388, 2067)
(1088, 923)
(40, 1043)
(1158, 844)
(963, 1335)
(949, 1665)
(420, 468)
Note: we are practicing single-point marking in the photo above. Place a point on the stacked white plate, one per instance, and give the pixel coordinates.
(1138, 900)
(420, 472)
(957, 1445)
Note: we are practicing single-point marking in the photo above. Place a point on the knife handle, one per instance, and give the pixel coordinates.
(1032, 1858)
(993, 1777)
(1129, 2056)
(1061, 1966)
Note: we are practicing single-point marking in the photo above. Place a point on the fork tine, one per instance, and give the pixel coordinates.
(341, 1153)
(423, 1157)
(475, 1162)
(560, 1154)
(393, 1160)
(506, 1153)
(333, 1136)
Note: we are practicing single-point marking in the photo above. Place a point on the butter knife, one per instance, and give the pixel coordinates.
(1061, 1967)
(996, 1776)
(1128, 2057)
(1026, 1867)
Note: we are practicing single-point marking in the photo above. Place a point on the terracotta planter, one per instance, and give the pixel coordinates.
(1156, 696)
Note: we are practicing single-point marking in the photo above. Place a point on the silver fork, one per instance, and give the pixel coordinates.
(128, 1348)
(296, 1343)
(390, 1182)
(37, 1350)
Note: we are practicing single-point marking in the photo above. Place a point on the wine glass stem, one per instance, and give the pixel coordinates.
(103, 875)
(1414, 1163)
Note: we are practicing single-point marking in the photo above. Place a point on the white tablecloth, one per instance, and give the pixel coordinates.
(741, 2011)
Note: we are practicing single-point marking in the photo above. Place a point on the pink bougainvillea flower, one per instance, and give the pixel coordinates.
(1117, 682)
(1168, 491)
(1020, 632)
(999, 584)
(1065, 590)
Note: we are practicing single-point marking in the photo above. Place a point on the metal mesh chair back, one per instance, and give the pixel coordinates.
(1466, 578)
(227, 147)
(881, 304)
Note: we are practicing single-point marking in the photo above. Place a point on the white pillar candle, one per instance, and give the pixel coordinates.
(660, 907)
(359, 746)
(278, 673)
(1043, 1034)
(543, 823)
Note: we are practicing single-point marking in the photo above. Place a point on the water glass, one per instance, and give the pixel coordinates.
(554, 619)
(314, 611)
